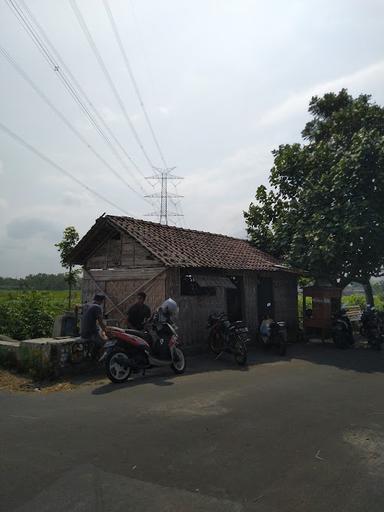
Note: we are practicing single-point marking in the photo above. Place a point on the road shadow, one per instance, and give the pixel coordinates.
(360, 358)
(165, 376)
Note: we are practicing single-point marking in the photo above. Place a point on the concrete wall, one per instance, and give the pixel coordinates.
(42, 357)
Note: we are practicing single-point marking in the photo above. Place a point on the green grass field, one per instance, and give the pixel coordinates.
(56, 300)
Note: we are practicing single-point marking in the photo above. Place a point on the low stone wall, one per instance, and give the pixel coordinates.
(9, 350)
(42, 356)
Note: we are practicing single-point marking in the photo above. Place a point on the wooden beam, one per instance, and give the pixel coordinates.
(135, 292)
(109, 298)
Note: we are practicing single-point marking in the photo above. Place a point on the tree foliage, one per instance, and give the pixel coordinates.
(39, 281)
(70, 239)
(324, 210)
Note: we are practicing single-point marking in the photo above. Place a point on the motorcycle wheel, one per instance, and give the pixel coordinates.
(241, 353)
(215, 344)
(340, 341)
(117, 367)
(375, 344)
(180, 365)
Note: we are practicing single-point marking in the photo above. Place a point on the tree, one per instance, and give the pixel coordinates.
(70, 239)
(324, 210)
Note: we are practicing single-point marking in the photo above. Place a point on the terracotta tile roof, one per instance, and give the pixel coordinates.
(178, 247)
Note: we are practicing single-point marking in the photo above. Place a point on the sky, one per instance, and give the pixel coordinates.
(223, 82)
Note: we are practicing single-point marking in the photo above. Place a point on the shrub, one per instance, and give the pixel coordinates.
(27, 315)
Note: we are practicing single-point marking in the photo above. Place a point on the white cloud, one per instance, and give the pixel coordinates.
(110, 116)
(298, 103)
(163, 110)
(26, 228)
(221, 193)
(1, 167)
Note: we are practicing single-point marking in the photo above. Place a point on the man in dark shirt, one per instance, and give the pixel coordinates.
(92, 317)
(138, 313)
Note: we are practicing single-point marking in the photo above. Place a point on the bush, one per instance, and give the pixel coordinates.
(359, 300)
(27, 315)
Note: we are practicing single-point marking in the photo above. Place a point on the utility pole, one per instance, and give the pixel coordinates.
(163, 175)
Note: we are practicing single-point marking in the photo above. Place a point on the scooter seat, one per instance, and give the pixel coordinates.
(141, 334)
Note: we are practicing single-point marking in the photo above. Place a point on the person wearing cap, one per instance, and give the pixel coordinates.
(138, 313)
(92, 319)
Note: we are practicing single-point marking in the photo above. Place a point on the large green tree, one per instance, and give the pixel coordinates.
(70, 239)
(324, 211)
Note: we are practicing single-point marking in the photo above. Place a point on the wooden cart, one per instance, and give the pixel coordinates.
(320, 303)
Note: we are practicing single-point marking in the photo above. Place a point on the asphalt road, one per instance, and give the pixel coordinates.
(305, 433)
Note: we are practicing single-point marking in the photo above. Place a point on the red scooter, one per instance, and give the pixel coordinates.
(130, 350)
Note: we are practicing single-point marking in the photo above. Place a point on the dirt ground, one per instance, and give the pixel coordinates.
(17, 382)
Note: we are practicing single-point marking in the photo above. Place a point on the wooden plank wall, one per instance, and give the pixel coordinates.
(123, 252)
(285, 300)
(135, 255)
(119, 283)
(173, 284)
(194, 312)
(250, 280)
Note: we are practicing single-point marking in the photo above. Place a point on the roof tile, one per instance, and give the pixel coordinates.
(179, 247)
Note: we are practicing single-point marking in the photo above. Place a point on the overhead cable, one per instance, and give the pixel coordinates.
(133, 79)
(108, 77)
(66, 82)
(79, 87)
(24, 143)
(64, 119)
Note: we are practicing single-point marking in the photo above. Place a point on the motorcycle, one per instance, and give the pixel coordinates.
(225, 336)
(273, 334)
(129, 350)
(372, 327)
(342, 334)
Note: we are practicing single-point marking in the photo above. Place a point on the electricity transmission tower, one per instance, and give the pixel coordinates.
(163, 175)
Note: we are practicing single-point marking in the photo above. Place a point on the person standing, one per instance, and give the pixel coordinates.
(92, 319)
(138, 313)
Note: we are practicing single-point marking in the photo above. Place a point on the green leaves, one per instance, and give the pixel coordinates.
(27, 315)
(324, 210)
(70, 239)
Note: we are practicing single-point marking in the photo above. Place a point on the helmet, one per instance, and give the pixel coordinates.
(170, 307)
(168, 311)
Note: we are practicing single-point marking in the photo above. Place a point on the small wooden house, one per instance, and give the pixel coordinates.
(203, 272)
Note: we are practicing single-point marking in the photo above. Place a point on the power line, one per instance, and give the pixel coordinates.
(137, 91)
(24, 143)
(133, 79)
(63, 118)
(108, 77)
(80, 89)
(27, 25)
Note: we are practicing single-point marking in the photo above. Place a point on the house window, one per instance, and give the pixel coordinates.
(191, 286)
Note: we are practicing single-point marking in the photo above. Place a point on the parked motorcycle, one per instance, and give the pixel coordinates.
(372, 327)
(342, 334)
(130, 350)
(225, 336)
(273, 334)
